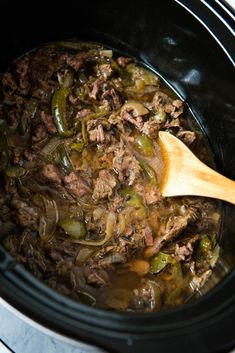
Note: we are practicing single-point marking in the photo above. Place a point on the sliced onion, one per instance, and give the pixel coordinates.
(121, 223)
(110, 226)
(51, 146)
(137, 108)
(48, 222)
(108, 53)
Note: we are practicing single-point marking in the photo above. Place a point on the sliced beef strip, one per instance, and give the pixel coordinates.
(13, 117)
(116, 203)
(17, 156)
(97, 277)
(205, 209)
(151, 195)
(29, 155)
(9, 83)
(104, 185)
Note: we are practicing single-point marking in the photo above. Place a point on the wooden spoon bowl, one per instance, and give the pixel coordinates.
(185, 174)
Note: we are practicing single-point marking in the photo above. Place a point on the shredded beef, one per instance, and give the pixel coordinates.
(76, 185)
(170, 106)
(96, 131)
(111, 98)
(96, 87)
(151, 129)
(104, 185)
(24, 214)
(125, 164)
(184, 251)
(105, 71)
(174, 227)
(148, 235)
(76, 61)
(137, 121)
(52, 173)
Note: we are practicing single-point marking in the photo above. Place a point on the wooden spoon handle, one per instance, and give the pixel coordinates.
(186, 175)
(207, 182)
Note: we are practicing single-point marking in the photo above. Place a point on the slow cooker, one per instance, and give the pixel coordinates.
(191, 45)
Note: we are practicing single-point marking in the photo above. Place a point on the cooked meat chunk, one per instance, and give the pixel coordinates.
(111, 99)
(151, 194)
(137, 121)
(148, 235)
(188, 137)
(17, 156)
(40, 134)
(170, 106)
(104, 185)
(125, 164)
(116, 203)
(76, 185)
(122, 61)
(29, 155)
(24, 214)
(96, 131)
(105, 71)
(52, 173)
(151, 128)
(183, 252)
(96, 87)
(47, 120)
(174, 226)
(22, 70)
(76, 61)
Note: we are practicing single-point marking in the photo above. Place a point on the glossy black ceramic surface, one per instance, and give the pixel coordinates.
(166, 37)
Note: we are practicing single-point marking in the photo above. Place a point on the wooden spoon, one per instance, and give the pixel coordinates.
(185, 174)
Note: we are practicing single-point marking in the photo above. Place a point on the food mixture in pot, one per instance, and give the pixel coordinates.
(80, 205)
